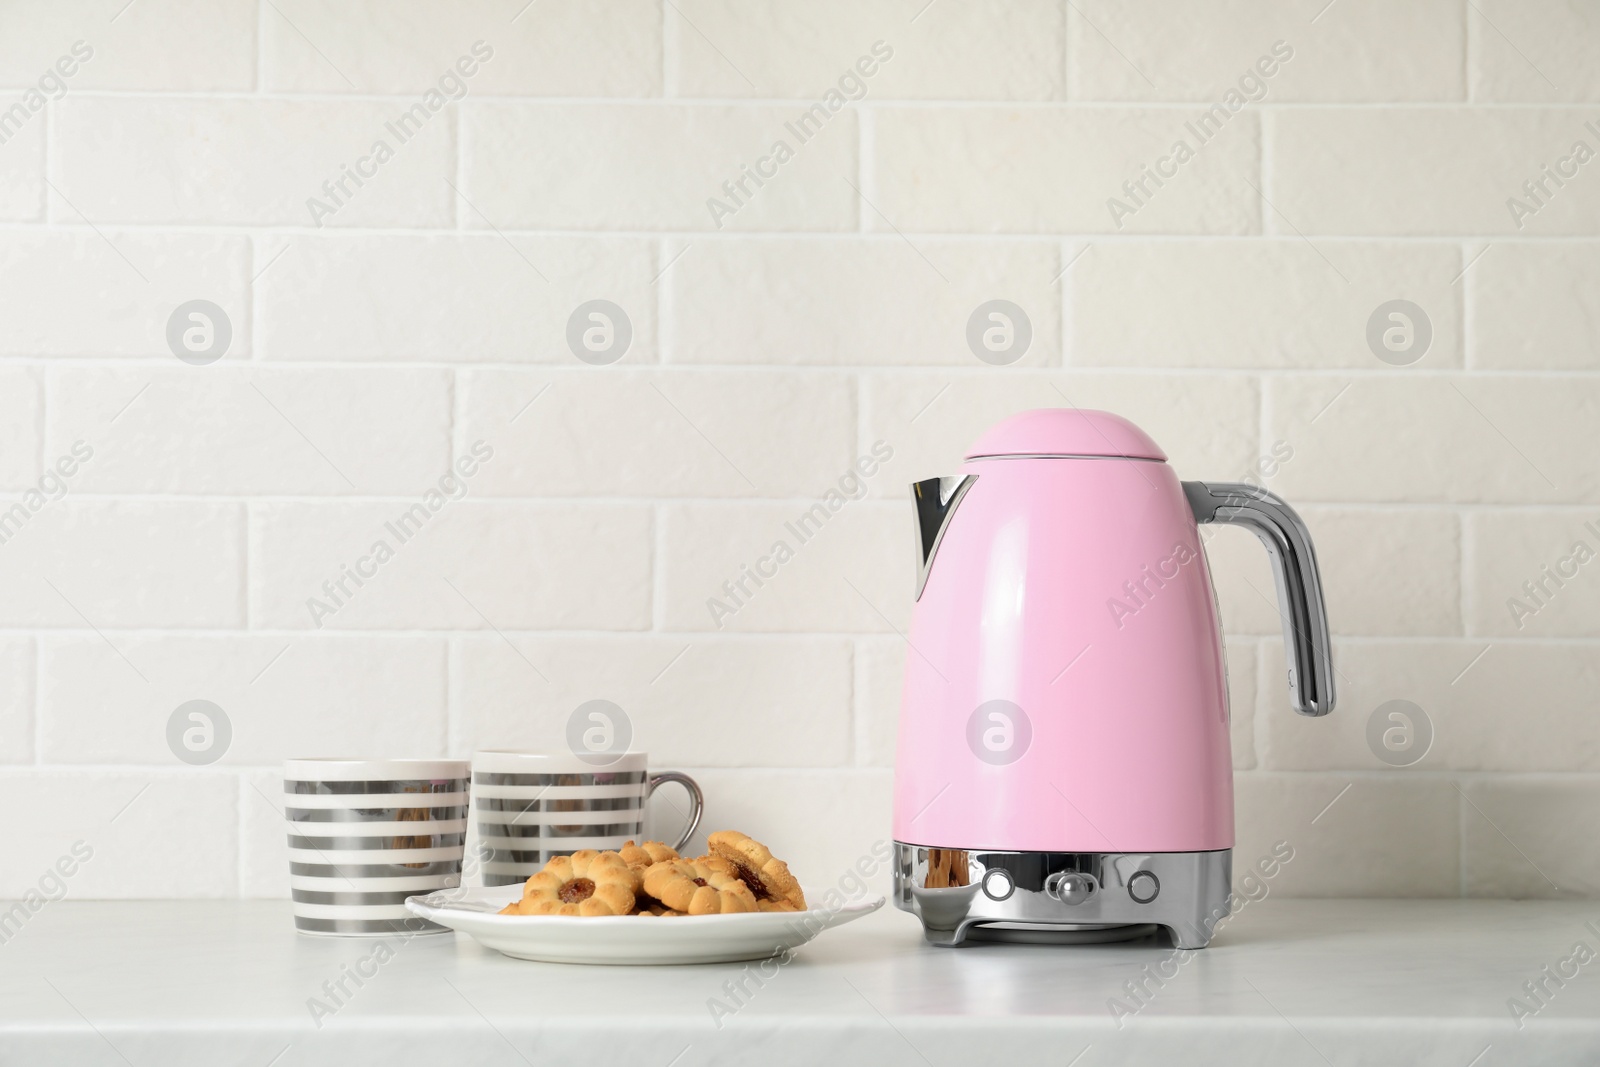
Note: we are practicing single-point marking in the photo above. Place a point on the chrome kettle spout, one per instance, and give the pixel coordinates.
(936, 500)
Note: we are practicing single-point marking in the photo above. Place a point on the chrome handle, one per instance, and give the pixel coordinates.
(1294, 569)
(697, 800)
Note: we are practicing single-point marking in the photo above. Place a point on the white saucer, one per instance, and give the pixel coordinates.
(630, 939)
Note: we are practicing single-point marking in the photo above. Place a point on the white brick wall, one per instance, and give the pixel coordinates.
(1227, 313)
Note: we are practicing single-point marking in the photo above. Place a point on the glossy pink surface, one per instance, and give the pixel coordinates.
(1127, 708)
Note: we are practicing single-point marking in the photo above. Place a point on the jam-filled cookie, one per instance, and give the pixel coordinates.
(584, 883)
(767, 877)
(639, 857)
(696, 888)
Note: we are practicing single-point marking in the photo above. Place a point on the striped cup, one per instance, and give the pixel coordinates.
(366, 834)
(530, 807)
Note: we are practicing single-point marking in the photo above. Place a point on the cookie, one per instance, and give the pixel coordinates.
(642, 856)
(696, 888)
(645, 904)
(584, 883)
(767, 877)
(655, 908)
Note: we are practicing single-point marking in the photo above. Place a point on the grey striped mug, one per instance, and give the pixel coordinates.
(531, 806)
(366, 834)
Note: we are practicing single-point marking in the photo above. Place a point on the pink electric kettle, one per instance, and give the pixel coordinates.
(1063, 771)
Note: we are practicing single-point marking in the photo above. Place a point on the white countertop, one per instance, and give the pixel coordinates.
(1287, 982)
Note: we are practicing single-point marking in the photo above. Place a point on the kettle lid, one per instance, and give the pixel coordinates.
(1065, 432)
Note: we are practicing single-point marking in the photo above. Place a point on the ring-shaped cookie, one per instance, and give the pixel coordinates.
(640, 857)
(584, 883)
(767, 877)
(697, 888)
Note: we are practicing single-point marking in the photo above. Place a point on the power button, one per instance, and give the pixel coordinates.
(1143, 887)
(998, 884)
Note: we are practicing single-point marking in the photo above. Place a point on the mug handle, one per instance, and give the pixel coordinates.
(697, 800)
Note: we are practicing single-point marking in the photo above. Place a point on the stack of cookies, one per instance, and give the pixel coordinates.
(738, 874)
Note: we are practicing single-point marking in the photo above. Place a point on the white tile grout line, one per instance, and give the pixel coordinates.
(664, 304)
(658, 571)
(866, 169)
(1271, 225)
(672, 96)
(458, 137)
(959, 367)
(169, 227)
(44, 163)
(1064, 67)
(259, 81)
(669, 54)
(245, 569)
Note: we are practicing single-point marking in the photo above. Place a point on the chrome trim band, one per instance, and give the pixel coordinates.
(351, 899)
(374, 870)
(566, 806)
(367, 815)
(420, 786)
(379, 844)
(953, 890)
(595, 777)
(535, 832)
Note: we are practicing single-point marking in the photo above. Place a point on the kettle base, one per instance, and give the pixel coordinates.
(1079, 897)
(1052, 934)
